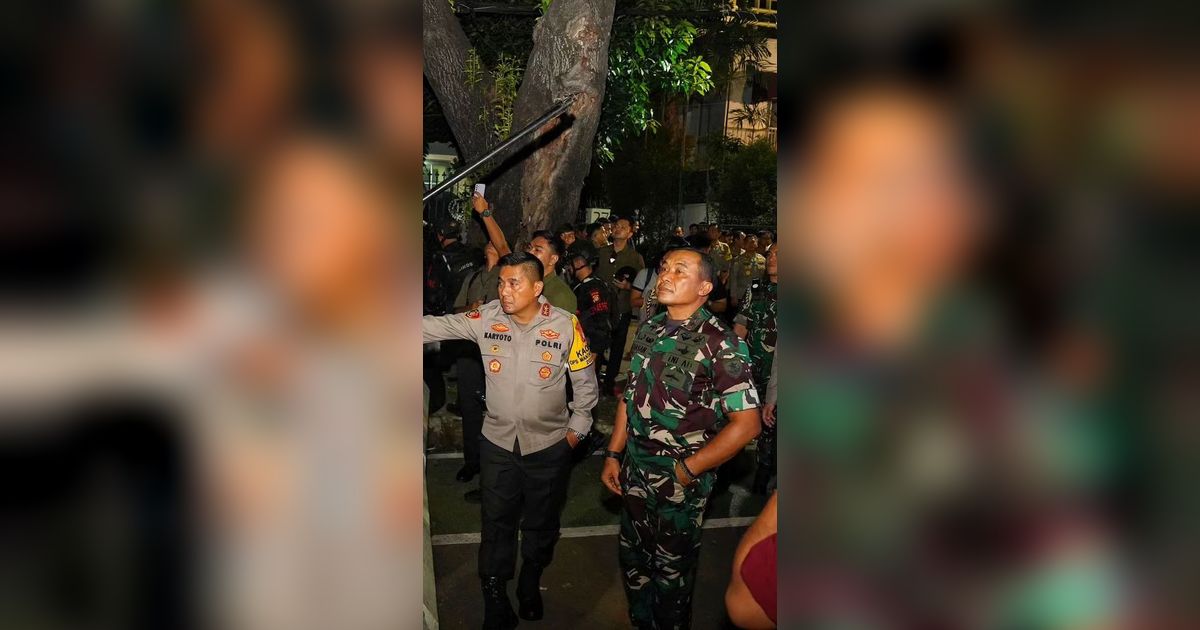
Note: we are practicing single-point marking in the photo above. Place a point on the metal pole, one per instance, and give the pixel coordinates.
(558, 109)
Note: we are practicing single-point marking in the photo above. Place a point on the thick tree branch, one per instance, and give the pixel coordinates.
(446, 49)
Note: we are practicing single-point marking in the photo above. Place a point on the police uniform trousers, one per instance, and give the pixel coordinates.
(471, 388)
(528, 491)
(660, 544)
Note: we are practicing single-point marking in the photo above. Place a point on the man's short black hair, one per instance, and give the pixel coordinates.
(555, 242)
(532, 265)
(603, 220)
(593, 227)
(623, 218)
(762, 233)
(699, 240)
(694, 225)
(739, 234)
(707, 268)
(564, 228)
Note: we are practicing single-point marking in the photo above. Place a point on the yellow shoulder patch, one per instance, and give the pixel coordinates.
(580, 356)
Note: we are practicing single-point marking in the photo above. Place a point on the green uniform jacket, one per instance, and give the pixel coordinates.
(559, 294)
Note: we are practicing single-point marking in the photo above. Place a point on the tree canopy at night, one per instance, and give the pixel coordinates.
(492, 69)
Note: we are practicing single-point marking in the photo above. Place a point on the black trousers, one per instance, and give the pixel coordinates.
(431, 372)
(471, 402)
(524, 490)
(616, 351)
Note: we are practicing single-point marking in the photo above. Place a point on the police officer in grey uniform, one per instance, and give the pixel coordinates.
(530, 349)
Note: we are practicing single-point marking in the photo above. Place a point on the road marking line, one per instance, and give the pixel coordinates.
(586, 532)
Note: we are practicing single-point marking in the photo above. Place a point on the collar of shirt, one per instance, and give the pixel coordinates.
(691, 324)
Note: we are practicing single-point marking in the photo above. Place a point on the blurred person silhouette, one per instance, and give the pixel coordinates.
(301, 446)
(928, 496)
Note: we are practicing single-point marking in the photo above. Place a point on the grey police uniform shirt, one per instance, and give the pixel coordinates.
(526, 372)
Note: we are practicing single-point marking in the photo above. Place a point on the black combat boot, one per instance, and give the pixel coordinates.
(497, 609)
(529, 591)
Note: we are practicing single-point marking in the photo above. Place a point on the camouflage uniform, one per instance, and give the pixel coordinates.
(683, 381)
(759, 307)
(722, 256)
(746, 269)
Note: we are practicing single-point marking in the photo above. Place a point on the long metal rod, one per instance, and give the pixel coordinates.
(558, 109)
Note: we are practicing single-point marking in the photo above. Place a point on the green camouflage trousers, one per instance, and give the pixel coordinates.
(660, 544)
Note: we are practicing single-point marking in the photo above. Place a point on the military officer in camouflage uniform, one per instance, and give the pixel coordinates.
(747, 268)
(530, 350)
(756, 324)
(721, 254)
(688, 407)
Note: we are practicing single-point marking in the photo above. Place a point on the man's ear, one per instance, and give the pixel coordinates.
(706, 287)
(554, 260)
(537, 288)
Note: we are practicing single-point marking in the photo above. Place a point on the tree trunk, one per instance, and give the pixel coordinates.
(539, 185)
(445, 62)
(570, 56)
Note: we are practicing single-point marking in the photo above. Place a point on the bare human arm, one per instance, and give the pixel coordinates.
(495, 234)
(770, 408)
(743, 610)
(743, 426)
(610, 476)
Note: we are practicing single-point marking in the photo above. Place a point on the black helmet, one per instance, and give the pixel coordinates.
(625, 274)
(450, 228)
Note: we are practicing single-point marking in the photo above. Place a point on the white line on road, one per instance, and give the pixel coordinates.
(586, 532)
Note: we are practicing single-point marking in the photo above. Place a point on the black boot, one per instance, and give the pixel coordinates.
(529, 591)
(497, 609)
(467, 472)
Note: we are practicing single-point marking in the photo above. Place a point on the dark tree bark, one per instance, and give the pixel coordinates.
(540, 185)
(445, 62)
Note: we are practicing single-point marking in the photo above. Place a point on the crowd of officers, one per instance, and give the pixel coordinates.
(538, 337)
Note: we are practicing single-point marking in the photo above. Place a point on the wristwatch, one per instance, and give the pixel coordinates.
(486, 213)
(579, 435)
(617, 455)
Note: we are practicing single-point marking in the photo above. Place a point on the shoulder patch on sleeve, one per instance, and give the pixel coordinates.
(580, 356)
(473, 314)
(734, 366)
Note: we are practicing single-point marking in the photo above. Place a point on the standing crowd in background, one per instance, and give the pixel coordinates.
(680, 335)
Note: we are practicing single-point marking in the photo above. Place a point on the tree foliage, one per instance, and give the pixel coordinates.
(651, 59)
(746, 179)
